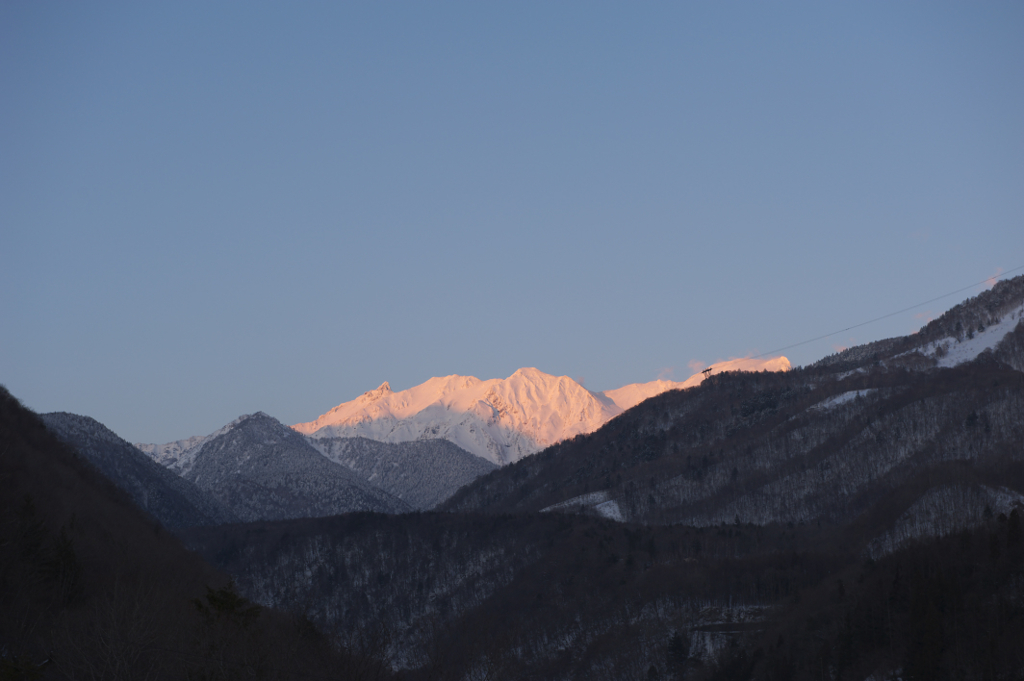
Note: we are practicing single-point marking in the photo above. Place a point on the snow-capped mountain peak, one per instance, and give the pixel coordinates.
(374, 395)
(501, 420)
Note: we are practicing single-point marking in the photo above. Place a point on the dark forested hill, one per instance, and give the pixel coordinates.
(543, 596)
(557, 596)
(92, 588)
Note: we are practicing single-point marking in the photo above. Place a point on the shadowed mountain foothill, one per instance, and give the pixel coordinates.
(92, 588)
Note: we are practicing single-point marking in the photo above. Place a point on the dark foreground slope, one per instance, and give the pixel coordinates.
(554, 596)
(526, 596)
(92, 588)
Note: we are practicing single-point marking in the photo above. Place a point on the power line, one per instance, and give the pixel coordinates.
(891, 314)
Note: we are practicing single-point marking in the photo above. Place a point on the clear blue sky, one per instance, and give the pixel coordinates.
(208, 209)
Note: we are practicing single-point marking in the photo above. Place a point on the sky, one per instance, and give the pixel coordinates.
(212, 209)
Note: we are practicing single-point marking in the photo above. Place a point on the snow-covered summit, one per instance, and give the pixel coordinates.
(501, 420)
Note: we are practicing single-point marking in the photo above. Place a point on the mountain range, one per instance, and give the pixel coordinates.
(413, 449)
(501, 420)
(395, 452)
(857, 518)
(263, 470)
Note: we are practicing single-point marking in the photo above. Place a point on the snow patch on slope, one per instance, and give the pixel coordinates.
(950, 352)
(610, 510)
(600, 502)
(841, 398)
(589, 499)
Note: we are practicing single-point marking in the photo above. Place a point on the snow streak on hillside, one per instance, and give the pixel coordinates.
(501, 420)
(952, 351)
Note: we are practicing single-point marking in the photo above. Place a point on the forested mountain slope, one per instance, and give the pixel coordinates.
(821, 443)
(527, 596)
(556, 596)
(422, 473)
(796, 447)
(168, 498)
(968, 324)
(263, 470)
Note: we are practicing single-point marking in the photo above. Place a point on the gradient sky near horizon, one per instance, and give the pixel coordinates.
(209, 209)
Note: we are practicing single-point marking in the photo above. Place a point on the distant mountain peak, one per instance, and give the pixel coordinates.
(500, 419)
(264, 470)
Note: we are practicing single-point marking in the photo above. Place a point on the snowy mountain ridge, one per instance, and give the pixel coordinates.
(500, 420)
(180, 456)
